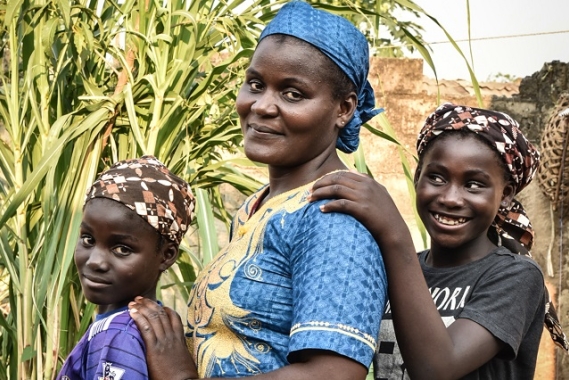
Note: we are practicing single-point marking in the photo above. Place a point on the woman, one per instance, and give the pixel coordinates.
(297, 294)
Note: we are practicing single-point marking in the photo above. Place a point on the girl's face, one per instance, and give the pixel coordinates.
(459, 190)
(118, 255)
(288, 114)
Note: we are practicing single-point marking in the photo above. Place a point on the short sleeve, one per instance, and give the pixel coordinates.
(115, 350)
(507, 300)
(339, 286)
(122, 353)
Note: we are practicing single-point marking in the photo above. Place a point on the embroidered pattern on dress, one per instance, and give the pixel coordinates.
(335, 327)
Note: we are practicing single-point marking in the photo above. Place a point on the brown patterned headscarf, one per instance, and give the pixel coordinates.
(513, 229)
(147, 187)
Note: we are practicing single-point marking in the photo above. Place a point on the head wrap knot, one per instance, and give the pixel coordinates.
(148, 188)
(344, 44)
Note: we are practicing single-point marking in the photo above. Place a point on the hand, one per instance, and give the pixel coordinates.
(363, 198)
(161, 329)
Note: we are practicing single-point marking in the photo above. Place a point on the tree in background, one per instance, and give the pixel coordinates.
(86, 83)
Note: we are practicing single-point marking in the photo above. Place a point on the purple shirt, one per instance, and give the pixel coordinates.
(111, 349)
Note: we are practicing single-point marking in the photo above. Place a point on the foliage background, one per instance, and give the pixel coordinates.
(87, 83)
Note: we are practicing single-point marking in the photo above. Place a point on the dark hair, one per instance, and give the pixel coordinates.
(161, 242)
(341, 84)
(464, 133)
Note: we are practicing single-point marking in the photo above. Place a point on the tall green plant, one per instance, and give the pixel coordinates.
(82, 88)
(86, 83)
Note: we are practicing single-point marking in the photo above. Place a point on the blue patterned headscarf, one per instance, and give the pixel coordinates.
(344, 44)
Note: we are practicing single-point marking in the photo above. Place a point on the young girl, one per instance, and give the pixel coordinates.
(134, 217)
(489, 301)
(284, 299)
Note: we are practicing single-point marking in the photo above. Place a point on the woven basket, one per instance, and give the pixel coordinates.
(553, 173)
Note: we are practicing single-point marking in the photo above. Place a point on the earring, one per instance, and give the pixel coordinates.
(504, 203)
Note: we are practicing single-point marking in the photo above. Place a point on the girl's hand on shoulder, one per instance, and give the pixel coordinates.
(363, 198)
(161, 328)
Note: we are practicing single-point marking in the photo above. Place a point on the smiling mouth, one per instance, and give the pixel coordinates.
(449, 221)
(263, 129)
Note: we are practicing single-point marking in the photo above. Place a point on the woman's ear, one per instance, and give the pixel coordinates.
(169, 253)
(347, 108)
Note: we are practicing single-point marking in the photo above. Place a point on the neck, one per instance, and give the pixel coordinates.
(283, 179)
(445, 257)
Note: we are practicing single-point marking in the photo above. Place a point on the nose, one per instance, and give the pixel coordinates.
(452, 196)
(265, 104)
(97, 260)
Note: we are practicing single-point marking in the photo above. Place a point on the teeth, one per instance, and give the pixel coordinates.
(449, 221)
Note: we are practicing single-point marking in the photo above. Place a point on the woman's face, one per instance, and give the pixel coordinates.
(288, 114)
(117, 255)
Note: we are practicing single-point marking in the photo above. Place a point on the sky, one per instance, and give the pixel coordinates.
(516, 56)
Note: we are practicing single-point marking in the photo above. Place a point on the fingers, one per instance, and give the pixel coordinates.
(339, 185)
(150, 318)
(342, 178)
(175, 321)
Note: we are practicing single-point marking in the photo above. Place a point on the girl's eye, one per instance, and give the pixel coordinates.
(122, 250)
(87, 240)
(293, 95)
(474, 185)
(436, 178)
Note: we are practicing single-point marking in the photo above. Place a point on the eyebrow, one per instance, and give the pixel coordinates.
(132, 238)
(116, 236)
(436, 165)
(288, 80)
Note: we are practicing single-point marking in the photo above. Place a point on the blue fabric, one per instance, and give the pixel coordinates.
(292, 278)
(344, 44)
(112, 348)
(98, 317)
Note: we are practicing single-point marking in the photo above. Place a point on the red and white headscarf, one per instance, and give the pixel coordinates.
(150, 189)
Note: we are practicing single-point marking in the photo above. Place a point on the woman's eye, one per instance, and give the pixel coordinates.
(255, 85)
(122, 250)
(474, 185)
(293, 95)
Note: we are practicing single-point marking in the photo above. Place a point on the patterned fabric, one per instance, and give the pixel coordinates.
(513, 227)
(147, 187)
(112, 348)
(344, 44)
(292, 278)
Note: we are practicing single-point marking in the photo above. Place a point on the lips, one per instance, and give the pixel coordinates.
(263, 129)
(449, 220)
(94, 281)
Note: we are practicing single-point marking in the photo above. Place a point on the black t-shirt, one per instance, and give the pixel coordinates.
(503, 292)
